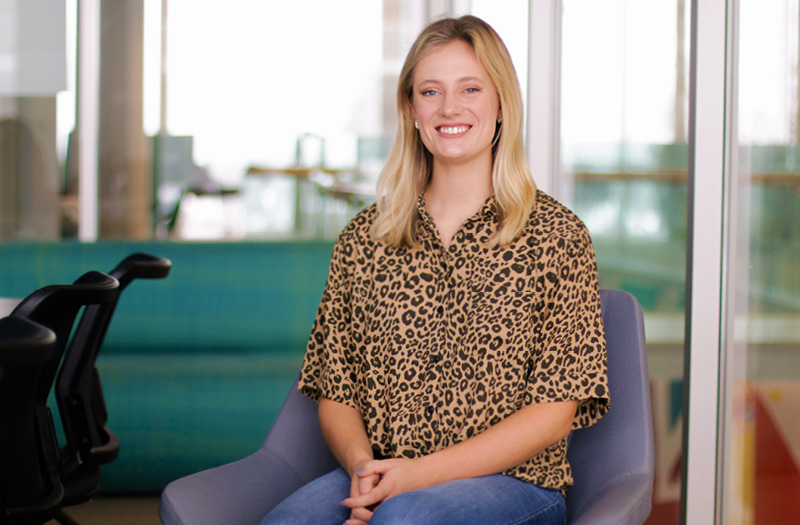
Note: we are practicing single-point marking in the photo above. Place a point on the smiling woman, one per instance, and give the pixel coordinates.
(457, 112)
(423, 395)
(456, 108)
(412, 165)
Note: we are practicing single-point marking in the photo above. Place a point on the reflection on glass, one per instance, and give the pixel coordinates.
(761, 472)
(248, 120)
(289, 134)
(32, 72)
(624, 171)
(275, 103)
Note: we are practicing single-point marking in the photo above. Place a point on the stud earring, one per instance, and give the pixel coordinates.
(416, 124)
(500, 118)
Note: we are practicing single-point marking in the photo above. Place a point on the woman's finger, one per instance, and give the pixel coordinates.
(376, 495)
(374, 468)
(362, 514)
(365, 484)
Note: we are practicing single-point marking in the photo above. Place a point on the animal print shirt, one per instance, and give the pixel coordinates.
(435, 345)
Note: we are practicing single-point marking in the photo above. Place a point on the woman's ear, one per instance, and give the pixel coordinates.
(413, 113)
(411, 105)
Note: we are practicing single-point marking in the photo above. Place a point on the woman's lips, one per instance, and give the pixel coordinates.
(453, 130)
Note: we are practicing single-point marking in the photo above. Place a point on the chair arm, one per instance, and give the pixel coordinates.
(625, 500)
(238, 493)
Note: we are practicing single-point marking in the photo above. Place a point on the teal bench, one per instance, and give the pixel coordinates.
(195, 366)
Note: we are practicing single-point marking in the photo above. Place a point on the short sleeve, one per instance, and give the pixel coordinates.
(328, 369)
(570, 362)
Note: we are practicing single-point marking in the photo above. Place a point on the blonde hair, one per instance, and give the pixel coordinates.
(409, 165)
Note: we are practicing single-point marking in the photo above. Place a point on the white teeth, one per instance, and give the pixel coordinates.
(453, 131)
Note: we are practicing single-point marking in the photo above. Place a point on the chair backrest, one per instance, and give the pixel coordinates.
(613, 460)
(56, 307)
(296, 438)
(30, 490)
(79, 392)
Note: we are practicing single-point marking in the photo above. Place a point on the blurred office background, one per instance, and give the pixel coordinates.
(249, 121)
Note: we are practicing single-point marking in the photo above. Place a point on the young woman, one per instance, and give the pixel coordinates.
(459, 337)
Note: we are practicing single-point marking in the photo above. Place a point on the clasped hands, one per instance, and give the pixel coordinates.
(378, 480)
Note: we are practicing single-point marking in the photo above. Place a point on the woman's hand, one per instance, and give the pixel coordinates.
(361, 485)
(504, 445)
(513, 440)
(344, 431)
(388, 477)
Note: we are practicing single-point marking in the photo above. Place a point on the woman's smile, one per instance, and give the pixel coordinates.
(456, 105)
(452, 130)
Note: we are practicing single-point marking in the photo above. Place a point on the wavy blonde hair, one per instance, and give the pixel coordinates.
(409, 166)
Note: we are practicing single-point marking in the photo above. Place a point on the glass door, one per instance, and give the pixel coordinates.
(624, 171)
(760, 478)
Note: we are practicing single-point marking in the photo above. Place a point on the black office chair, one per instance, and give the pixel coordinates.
(30, 491)
(79, 393)
(56, 307)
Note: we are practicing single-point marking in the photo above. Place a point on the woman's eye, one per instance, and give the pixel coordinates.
(472, 90)
(429, 92)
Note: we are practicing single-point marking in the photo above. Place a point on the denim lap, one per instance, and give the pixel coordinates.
(316, 503)
(490, 499)
(496, 499)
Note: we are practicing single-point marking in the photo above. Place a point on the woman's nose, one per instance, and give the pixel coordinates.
(450, 106)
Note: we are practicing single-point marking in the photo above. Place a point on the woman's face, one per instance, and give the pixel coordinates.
(456, 104)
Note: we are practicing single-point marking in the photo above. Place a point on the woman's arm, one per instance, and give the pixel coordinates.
(505, 445)
(343, 429)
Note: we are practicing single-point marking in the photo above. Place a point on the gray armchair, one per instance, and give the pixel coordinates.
(612, 460)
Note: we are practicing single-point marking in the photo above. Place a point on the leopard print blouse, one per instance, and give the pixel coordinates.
(435, 345)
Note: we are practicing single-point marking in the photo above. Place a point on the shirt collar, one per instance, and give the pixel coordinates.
(487, 213)
(488, 210)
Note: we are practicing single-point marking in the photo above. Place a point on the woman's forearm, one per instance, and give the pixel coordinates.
(505, 445)
(343, 429)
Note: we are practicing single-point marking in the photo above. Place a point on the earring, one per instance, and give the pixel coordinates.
(500, 118)
(416, 124)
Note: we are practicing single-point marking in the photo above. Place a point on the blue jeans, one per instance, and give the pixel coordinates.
(496, 499)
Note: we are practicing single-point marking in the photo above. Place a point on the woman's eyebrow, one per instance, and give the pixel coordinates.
(460, 80)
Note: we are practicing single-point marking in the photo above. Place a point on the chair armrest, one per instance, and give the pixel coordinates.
(238, 493)
(625, 500)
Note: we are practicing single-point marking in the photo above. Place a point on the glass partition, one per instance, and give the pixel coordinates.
(272, 118)
(283, 122)
(624, 169)
(33, 71)
(760, 476)
(228, 121)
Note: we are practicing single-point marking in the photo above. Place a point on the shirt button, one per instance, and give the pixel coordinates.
(429, 410)
(435, 358)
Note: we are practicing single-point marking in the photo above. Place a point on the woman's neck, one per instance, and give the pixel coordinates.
(454, 194)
